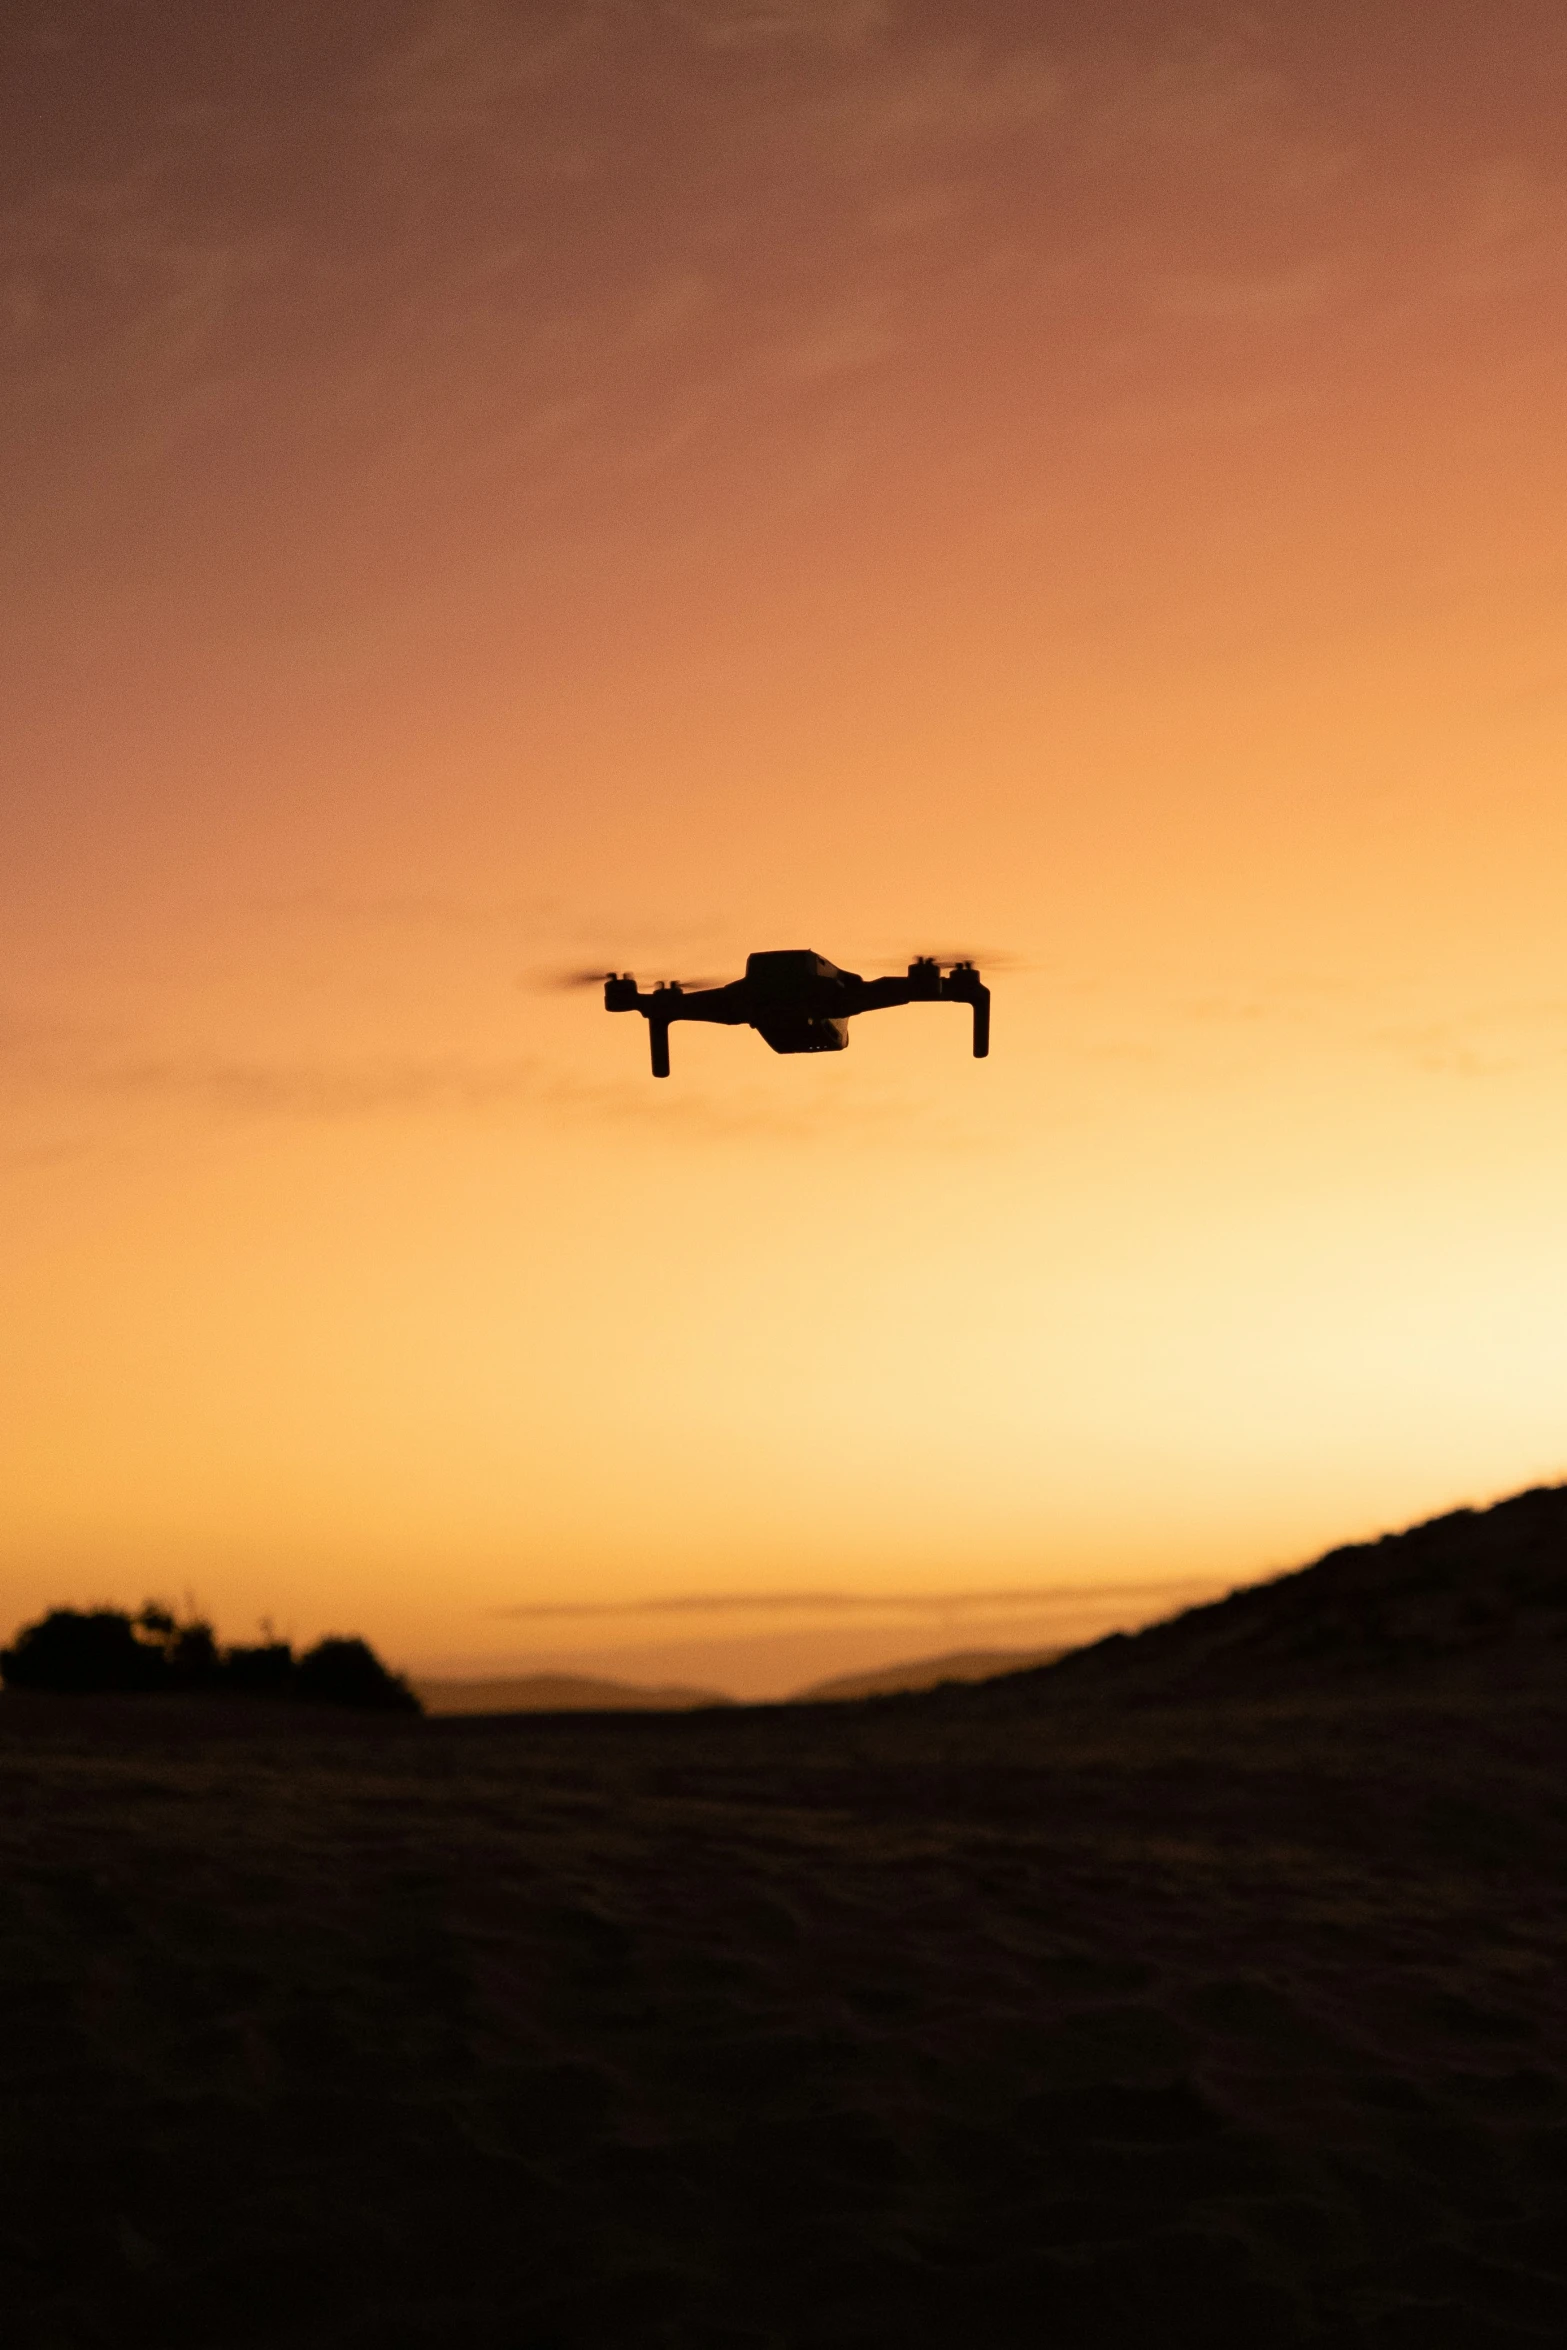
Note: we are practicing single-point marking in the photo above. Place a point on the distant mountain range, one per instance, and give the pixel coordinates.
(554, 1693)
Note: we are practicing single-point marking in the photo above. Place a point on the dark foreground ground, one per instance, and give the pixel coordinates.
(1241, 2023)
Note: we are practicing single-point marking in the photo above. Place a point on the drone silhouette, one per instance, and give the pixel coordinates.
(799, 1002)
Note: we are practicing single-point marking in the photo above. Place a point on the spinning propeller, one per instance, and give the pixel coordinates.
(570, 979)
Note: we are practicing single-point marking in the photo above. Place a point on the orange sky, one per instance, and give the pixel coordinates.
(492, 489)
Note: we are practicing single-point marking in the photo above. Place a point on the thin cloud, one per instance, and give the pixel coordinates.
(1274, 298)
(1194, 102)
(771, 24)
(113, 292)
(842, 1602)
(1511, 230)
(23, 1155)
(581, 941)
(1492, 1040)
(1148, 421)
(407, 909)
(725, 1117)
(324, 1091)
(845, 338)
(467, 65)
(235, 1089)
(45, 1057)
(950, 96)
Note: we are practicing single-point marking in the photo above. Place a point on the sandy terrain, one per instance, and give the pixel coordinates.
(557, 1693)
(1025, 2013)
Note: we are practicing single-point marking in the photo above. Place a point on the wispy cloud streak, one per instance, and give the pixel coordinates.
(841, 1602)
(232, 1090)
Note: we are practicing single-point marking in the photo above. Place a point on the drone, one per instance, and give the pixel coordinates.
(798, 1002)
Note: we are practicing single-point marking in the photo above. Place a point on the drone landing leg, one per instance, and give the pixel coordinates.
(658, 1034)
(981, 1023)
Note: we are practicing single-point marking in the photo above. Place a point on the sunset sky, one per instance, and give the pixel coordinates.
(497, 489)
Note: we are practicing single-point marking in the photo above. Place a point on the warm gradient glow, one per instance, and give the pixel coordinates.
(495, 488)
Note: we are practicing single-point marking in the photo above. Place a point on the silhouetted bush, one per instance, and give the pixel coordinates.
(348, 1672)
(267, 1671)
(109, 1652)
(82, 1654)
(194, 1660)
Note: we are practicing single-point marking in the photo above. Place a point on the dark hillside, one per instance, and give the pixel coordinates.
(1478, 1590)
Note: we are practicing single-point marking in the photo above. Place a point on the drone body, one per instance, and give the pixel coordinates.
(798, 1002)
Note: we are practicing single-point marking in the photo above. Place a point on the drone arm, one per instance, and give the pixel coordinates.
(923, 985)
(926, 985)
(963, 985)
(723, 1005)
(661, 1005)
(877, 995)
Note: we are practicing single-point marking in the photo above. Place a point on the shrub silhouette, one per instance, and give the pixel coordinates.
(343, 1671)
(188, 1653)
(85, 1655)
(267, 1671)
(107, 1651)
(193, 1659)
